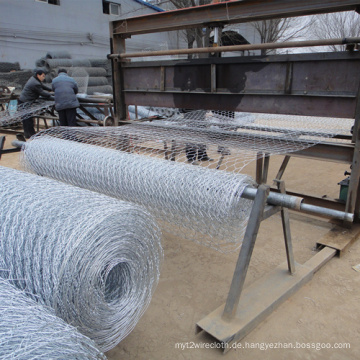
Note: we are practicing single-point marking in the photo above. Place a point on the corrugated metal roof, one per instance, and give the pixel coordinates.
(149, 5)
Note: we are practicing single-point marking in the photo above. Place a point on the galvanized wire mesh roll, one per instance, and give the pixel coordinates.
(100, 62)
(92, 72)
(52, 63)
(98, 81)
(29, 330)
(104, 89)
(200, 204)
(93, 259)
(16, 77)
(58, 55)
(41, 62)
(9, 66)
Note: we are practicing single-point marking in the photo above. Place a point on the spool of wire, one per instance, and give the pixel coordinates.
(93, 259)
(29, 330)
(197, 203)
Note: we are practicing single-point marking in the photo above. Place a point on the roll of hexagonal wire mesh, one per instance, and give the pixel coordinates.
(196, 203)
(98, 81)
(23, 111)
(42, 68)
(103, 63)
(92, 72)
(9, 66)
(100, 62)
(58, 55)
(53, 63)
(29, 330)
(79, 74)
(103, 89)
(41, 62)
(93, 259)
(16, 77)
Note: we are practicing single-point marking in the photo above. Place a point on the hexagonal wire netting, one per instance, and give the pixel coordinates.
(184, 169)
(29, 330)
(22, 111)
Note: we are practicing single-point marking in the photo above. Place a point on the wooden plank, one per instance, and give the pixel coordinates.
(340, 238)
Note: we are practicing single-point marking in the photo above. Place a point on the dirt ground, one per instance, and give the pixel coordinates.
(195, 280)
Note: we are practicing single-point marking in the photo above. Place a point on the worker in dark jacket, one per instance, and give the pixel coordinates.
(33, 89)
(65, 90)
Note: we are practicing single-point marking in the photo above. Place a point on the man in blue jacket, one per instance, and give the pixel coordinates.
(65, 89)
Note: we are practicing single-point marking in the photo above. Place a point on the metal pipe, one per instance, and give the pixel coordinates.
(18, 144)
(288, 201)
(296, 203)
(289, 44)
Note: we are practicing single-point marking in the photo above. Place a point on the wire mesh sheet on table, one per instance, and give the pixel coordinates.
(94, 259)
(29, 330)
(232, 140)
(23, 111)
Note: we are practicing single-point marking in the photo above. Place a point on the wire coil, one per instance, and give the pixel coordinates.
(29, 330)
(93, 259)
(204, 205)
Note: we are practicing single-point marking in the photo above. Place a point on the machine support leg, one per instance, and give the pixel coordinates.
(259, 167)
(2, 142)
(173, 150)
(247, 247)
(262, 167)
(282, 167)
(166, 151)
(265, 168)
(286, 229)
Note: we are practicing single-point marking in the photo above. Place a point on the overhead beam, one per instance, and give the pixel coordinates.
(227, 13)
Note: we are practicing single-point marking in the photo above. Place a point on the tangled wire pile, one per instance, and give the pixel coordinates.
(205, 205)
(29, 330)
(93, 259)
(24, 110)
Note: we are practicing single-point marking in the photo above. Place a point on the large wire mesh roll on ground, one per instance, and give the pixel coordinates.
(93, 259)
(200, 204)
(29, 330)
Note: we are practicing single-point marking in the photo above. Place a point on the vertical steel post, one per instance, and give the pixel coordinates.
(286, 230)
(282, 167)
(353, 197)
(247, 247)
(259, 167)
(117, 45)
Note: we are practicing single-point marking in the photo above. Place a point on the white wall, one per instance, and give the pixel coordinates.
(29, 29)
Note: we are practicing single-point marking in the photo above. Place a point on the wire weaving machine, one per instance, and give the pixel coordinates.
(312, 85)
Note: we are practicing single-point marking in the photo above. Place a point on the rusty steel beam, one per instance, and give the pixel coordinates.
(227, 13)
(287, 84)
(342, 153)
(220, 49)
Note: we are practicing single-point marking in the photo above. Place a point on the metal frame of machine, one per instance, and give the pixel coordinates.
(299, 84)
